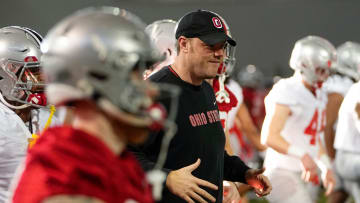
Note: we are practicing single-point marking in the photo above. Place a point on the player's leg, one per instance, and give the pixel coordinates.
(348, 165)
(353, 187)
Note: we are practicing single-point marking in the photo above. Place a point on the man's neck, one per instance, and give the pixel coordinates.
(185, 71)
(311, 88)
(97, 125)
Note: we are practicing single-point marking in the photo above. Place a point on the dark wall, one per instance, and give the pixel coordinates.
(265, 30)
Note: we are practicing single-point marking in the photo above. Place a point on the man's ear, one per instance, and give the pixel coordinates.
(184, 44)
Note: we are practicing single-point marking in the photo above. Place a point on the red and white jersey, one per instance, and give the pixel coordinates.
(68, 161)
(338, 84)
(348, 129)
(304, 125)
(235, 88)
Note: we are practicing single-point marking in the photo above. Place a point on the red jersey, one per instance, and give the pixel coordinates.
(66, 161)
(254, 100)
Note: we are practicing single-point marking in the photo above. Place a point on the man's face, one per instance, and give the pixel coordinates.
(322, 73)
(204, 58)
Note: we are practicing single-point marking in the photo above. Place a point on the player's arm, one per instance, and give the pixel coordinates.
(357, 117)
(248, 127)
(228, 147)
(72, 199)
(332, 109)
(273, 125)
(271, 136)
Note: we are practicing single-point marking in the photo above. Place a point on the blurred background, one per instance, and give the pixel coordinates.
(265, 30)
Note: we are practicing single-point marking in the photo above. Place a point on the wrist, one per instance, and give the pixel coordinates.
(295, 151)
(324, 163)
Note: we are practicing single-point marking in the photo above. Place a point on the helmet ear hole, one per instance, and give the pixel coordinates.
(98, 75)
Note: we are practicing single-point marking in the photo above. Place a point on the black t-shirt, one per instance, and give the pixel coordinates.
(199, 135)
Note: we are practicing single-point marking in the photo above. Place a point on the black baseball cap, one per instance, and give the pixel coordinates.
(204, 25)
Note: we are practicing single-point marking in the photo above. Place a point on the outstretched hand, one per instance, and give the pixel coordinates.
(183, 184)
(260, 183)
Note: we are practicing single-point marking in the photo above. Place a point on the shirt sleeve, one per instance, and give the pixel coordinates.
(147, 153)
(234, 168)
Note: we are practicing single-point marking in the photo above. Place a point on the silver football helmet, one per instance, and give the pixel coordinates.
(349, 60)
(21, 77)
(313, 57)
(99, 54)
(162, 34)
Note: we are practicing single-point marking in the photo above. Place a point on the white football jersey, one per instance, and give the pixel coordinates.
(338, 84)
(14, 136)
(303, 127)
(348, 129)
(235, 88)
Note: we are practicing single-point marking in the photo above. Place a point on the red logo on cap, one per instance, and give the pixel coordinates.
(217, 22)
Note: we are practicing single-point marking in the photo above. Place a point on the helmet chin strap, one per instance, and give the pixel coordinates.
(12, 106)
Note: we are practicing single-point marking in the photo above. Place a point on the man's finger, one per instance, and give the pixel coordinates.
(188, 199)
(205, 194)
(329, 188)
(266, 185)
(266, 191)
(197, 197)
(259, 171)
(307, 176)
(205, 183)
(258, 192)
(194, 165)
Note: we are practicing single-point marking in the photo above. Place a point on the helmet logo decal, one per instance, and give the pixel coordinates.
(217, 22)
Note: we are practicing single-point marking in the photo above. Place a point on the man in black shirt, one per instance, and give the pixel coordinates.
(197, 163)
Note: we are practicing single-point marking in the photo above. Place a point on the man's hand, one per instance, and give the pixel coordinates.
(231, 194)
(183, 184)
(328, 181)
(309, 173)
(258, 181)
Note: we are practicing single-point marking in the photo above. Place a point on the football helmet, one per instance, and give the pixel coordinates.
(313, 57)
(162, 34)
(348, 62)
(21, 78)
(99, 54)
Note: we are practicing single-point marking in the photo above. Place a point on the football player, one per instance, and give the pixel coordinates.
(294, 122)
(162, 34)
(23, 103)
(94, 60)
(347, 134)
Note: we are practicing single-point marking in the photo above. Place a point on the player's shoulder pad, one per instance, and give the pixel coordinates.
(284, 92)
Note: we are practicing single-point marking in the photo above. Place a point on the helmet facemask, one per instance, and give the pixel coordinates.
(229, 59)
(24, 83)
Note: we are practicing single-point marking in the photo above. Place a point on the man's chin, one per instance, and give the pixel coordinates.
(210, 76)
